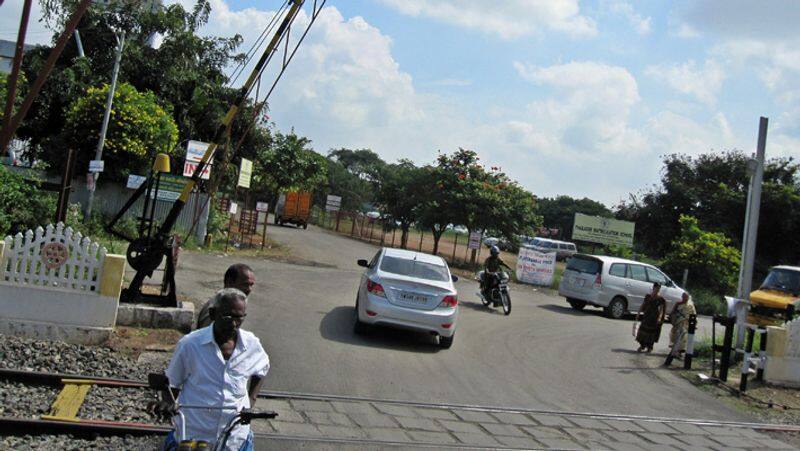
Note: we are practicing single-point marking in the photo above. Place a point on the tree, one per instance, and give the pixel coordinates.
(559, 212)
(186, 72)
(713, 189)
(707, 255)
(399, 193)
(363, 163)
(139, 129)
(22, 205)
(288, 165)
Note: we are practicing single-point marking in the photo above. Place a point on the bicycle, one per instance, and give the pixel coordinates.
(243, 417)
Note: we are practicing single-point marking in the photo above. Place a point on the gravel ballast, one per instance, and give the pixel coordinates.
(70, 443)
(104, 403)
(58, 357)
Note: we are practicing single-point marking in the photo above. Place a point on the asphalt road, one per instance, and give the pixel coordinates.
(542, 356)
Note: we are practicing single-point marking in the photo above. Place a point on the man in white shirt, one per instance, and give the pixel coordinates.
(238, 276)
(218, 366)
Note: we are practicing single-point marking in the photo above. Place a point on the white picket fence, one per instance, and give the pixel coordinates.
(55, 257)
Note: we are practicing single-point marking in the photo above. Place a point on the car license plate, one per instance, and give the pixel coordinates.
(413, 298)
(577, 282)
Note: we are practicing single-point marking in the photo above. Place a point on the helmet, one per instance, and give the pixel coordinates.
(494, 250)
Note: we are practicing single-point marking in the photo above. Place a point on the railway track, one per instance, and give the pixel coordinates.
(70, 392)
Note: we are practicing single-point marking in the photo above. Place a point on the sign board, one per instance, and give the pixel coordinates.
(195, 151)
(245, 173)
(135, 181)
(333, 203)
(194, 154)
(189, 168)
(474, 240)
(262, 206)
(596, 229)
(535, 267)
(170, 187)
(233, 208)
(96, 165)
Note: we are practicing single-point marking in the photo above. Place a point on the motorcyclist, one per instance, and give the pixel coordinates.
(492, 264)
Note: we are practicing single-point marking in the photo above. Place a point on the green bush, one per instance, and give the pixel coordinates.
(707, 302)
(22, 204)
(712, 263)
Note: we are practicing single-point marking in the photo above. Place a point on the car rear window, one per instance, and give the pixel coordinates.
(585, 265)
(414, 268)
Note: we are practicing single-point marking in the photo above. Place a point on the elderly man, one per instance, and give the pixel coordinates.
(238, 276)
(221, 365)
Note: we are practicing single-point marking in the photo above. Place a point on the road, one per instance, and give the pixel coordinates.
(543, 356)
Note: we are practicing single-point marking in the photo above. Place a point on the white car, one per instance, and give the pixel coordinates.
(490, 241)
(373, 215)
(616, 284)
(408, 290)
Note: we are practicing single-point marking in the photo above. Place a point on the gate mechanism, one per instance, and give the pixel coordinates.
(147, 251)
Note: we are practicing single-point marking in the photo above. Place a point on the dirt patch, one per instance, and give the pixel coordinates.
(132, 341)
(769, 403)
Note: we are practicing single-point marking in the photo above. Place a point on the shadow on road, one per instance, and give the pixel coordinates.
(478, 306)
(337, 325)
(588, 311)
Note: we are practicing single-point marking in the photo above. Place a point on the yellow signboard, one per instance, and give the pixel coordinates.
(245, 173)
(596, 229)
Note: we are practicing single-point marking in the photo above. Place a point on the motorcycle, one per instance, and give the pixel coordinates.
(495, 291)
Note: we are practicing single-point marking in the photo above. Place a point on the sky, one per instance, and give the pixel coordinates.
(571, 97)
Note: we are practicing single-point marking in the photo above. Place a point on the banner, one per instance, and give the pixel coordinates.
(535, 267)
(596, 229)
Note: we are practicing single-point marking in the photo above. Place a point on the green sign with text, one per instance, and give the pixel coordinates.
(596, 229)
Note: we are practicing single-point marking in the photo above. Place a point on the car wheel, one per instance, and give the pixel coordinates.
(359, 327)
(305, 225)
(446, 342)
(616, 309)
(577, 304)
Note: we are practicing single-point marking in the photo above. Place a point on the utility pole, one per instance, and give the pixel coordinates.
(755, 169)
(120, 37)
(11, 85)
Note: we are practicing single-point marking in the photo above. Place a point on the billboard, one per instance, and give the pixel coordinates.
(596, 229)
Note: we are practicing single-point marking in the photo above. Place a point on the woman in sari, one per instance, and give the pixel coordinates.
(652, 312)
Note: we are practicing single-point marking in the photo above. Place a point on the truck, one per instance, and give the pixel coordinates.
(293, 207)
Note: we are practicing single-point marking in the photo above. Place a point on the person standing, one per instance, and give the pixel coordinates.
(218, 366)
(652, 312)
(679, 317)
(239, 276)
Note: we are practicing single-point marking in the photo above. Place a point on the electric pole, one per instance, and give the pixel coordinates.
(120, 37)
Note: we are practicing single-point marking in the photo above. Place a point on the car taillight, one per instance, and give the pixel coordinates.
(375, 288)
(598, 280)
(449, 301)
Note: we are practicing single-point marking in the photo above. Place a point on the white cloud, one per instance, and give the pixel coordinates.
(589, 114)
(704, 82)
(508, 19)
(641, 24)
(685, 31)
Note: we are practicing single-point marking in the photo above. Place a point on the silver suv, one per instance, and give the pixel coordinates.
(616, 284)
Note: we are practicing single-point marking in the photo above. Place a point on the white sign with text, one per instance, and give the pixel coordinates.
(535, 267)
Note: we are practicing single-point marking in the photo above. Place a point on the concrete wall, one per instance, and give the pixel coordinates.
(783, 354)
(34, 310)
